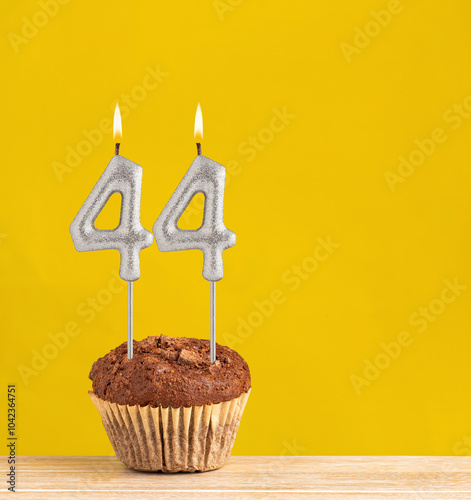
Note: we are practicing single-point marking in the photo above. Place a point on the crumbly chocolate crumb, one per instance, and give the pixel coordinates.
(170, 371)
(187, 357)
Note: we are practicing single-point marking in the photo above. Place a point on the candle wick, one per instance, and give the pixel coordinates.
(198, 148)
(116, 148)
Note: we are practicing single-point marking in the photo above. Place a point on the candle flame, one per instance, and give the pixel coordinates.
(198, 124)
(117, 129)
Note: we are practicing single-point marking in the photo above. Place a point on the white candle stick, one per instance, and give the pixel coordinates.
(130, 320)
(213, 321)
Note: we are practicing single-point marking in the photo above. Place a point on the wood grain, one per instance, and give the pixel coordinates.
(249, 478)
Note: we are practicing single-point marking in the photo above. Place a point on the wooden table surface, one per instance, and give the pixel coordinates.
(248, 478)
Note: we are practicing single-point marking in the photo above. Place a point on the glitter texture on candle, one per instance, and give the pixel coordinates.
(129, 237)
(212, 238)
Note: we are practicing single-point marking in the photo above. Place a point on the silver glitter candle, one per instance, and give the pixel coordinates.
(129, 238)
(212, 238)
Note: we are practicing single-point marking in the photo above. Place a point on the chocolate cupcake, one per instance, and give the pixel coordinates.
(169, 408)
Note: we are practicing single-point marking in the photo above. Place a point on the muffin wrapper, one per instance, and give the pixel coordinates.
(197, 438)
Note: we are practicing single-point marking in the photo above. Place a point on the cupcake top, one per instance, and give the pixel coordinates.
(170, 371)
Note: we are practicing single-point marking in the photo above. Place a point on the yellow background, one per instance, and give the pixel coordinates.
(351, 113)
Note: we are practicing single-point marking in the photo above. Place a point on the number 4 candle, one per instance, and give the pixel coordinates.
(129, 237)
(212, 237)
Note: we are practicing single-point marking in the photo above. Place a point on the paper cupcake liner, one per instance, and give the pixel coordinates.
(197, 438)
